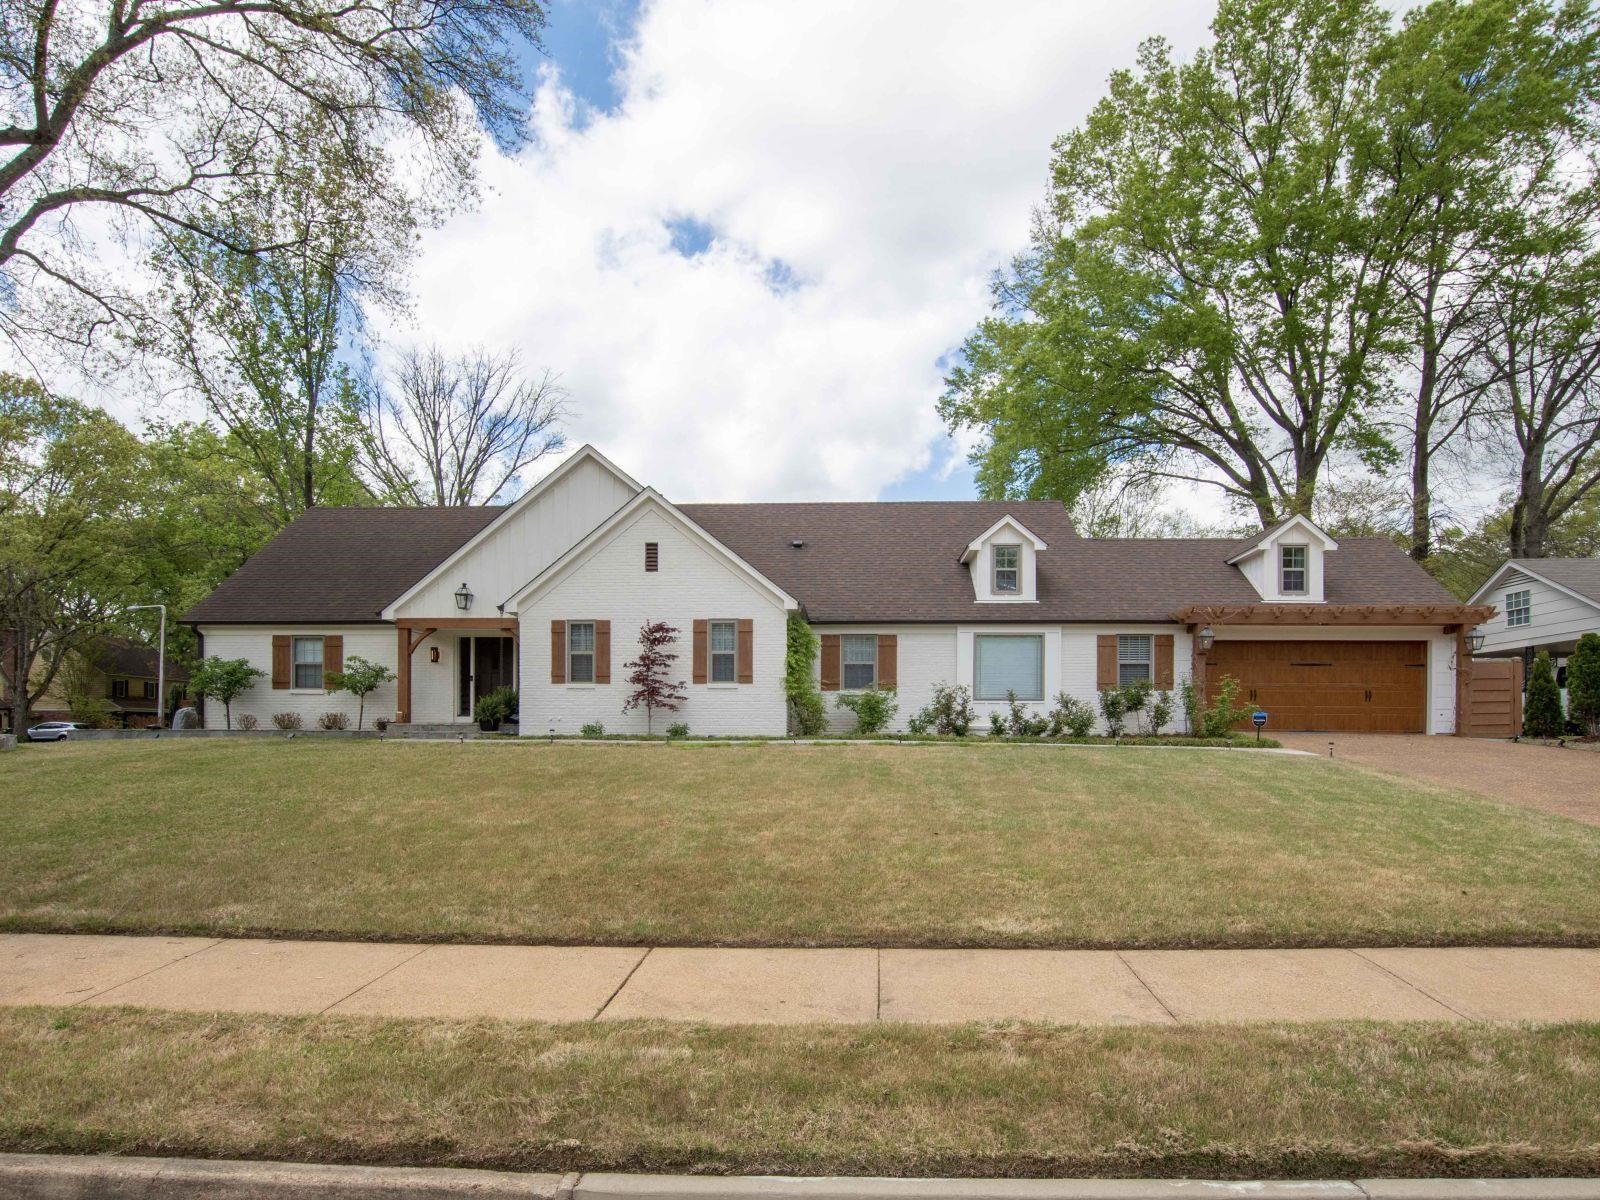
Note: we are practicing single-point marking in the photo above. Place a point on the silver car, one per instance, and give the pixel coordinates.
(53, 731)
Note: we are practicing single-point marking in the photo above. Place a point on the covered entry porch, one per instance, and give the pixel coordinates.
(446, 663)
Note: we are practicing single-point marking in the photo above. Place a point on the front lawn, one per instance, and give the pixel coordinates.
(1320, 1101)
(774, 845)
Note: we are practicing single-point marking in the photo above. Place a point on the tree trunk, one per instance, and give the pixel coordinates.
(1422, 455)
(19, 676)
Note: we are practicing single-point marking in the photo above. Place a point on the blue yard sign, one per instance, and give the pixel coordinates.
(1258, 719)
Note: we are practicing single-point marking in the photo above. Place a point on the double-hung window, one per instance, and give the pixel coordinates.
(1008, 663)
(1292, 570)
(858, 653)
(1007, 569)
(580, 651)
(119, 689)
(149, 689)
(1134, 658)
(308, 663)
(724, 651)
(1519, 608)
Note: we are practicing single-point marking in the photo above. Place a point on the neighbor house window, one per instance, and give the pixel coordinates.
(1007, 568)
(1133, 658)
(1007, 663)
(149, 689)
(724, 643)
(1519, 608)
(1292, 570)
(580, 651)
(858, 654)
(308, 663)
(119, 689)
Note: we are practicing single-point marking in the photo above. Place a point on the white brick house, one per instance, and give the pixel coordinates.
(548, 594)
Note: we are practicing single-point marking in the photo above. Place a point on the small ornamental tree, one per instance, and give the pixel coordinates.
(1583, 684)
(1541, 718)
(360, 678)
(224, 679)
(651, 673)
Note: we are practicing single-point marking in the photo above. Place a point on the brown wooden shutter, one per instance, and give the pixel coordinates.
(830, 662)
(282, 648)
(602, 651)
(332, 654)
(700, 641)
(1164, 676)
(1106, 660)
(558, 651)
(747, 651)
(888, 660)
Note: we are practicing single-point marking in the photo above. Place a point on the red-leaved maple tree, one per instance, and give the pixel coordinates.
(651, 673)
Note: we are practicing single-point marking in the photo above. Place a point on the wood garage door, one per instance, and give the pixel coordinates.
(1342, 687)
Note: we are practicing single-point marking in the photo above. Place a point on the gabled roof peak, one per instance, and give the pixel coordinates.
(1022, 530)
(1298, 521)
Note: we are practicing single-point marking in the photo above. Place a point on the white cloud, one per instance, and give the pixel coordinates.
(879, 161)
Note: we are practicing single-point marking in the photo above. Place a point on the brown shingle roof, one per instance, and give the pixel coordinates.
(336, 565)
(901, 562)
(122, 656)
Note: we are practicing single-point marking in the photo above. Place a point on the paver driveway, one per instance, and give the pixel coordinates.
(1552, 779)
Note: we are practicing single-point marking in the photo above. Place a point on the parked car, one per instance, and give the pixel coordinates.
(53, 731)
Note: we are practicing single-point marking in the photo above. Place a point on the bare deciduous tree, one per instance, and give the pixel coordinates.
(458, 430)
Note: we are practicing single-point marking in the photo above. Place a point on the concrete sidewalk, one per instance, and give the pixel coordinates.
(714, 986)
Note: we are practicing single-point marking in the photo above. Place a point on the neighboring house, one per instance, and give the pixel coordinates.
(1545, 604)
(120, 673)
(548, 595)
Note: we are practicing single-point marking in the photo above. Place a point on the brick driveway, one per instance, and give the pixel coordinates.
(1565, 781)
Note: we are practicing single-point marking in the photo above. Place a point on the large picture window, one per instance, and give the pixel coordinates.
(1134, 658)
(724, 651)
(1007, 663)
(859, 660)
(580, 651)
(308, 663)
(1519, 608)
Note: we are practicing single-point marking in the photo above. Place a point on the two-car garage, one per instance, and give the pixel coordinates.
(1337, 686)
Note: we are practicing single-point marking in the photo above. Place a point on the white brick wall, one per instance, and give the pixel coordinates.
(376, 643)
(926, 658)
(611, 584)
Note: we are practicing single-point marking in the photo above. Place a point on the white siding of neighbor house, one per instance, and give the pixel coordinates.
(1555, 617)
(376, 643)
(526, 543)
(1441, 711)
(694, 582)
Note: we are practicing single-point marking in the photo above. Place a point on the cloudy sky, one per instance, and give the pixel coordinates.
(750, 233)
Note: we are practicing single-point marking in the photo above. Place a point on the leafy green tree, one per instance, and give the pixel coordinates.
(1541, 714)
(1583, 684)
(224, 679)
(360, 678)
(75, 514)
(154, 117)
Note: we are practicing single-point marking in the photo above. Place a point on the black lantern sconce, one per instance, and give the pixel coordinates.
(463, 597)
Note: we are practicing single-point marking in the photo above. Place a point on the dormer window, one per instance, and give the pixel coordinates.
(1292, 567)
(1007, 569)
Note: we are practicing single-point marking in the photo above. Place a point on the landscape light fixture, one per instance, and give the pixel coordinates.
(463, 597)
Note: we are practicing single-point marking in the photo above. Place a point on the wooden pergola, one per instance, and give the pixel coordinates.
(1458, 619)
(413, 631)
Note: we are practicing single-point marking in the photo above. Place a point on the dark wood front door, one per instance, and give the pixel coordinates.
(483, 664)
(1341, 687)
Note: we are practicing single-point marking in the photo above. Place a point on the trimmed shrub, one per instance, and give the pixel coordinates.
(594, 729)
(1160, 712)
(498, 705)
(678, 729)
(1071, 716)
(1114, 710)
(997, 725)
(248, 721)
(1020, 722)
(333, 720)
(874, 708)
(948, 714)
(289, 720)
(1541, 716)
(1583, 685)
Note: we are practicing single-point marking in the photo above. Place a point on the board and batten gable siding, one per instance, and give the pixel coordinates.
(526, 543)
(253, 643)
(692, 582)
(1556, 617)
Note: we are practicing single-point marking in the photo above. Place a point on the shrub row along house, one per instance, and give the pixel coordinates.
(548, 595)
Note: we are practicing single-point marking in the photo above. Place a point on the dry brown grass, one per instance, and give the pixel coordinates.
(775, 845)
(1224, 1101)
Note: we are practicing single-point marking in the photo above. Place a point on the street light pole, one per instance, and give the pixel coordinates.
(161, 664)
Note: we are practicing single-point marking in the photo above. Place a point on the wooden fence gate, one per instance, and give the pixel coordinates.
(1493, 707)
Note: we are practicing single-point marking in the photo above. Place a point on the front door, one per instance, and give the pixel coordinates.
(482, 665)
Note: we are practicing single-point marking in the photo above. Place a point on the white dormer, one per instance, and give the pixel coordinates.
(1286, 565)
(1004, 561)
